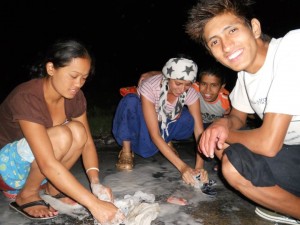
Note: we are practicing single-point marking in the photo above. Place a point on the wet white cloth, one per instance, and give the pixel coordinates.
(76, 210)
(139, 209)
(101, 192)
(198, 183)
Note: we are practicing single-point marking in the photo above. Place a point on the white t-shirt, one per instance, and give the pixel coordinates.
(210, 111)
(275, 88)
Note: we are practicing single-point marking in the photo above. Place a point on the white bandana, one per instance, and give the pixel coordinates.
(176, 69)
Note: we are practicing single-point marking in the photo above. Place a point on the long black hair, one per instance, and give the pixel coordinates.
(60, 53)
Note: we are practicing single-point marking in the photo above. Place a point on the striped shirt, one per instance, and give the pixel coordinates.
(150, 89)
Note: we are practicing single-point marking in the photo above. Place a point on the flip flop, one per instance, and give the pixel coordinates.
(45, 196)
(58, 196)
(20, 209)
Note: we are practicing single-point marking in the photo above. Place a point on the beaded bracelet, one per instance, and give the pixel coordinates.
(92, 168)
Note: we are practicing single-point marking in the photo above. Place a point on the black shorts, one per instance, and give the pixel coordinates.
(282, 170)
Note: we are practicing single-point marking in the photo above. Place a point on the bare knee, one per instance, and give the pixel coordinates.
(67, 139)
(79, 134)
(233, 177)
(61, 139)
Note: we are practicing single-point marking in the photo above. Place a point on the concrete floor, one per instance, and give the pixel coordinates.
(156, 175)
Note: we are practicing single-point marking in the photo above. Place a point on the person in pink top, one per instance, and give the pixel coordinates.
(146, 121)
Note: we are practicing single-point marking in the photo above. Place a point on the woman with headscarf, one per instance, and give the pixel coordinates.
(146, 122)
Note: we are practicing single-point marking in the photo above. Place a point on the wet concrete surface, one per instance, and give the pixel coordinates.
(158, 176)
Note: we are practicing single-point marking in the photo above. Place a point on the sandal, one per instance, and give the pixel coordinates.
(20, 209)
(59, 197)
(172, 147)
(125, 161)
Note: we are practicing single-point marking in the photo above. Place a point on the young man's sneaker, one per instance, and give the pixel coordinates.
(275, 217)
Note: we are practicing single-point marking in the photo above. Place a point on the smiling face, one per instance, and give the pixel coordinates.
(232, 42)
(210, 86)
(68, 80)
(178, 87)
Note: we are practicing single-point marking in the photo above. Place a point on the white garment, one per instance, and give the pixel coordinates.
(139, 209)
(75, 211)
(275, 87)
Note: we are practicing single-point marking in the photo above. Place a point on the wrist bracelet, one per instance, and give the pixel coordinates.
(92, 168)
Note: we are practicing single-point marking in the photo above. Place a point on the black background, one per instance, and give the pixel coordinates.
(127, 37)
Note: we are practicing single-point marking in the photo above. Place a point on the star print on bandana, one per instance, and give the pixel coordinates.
(176, 60)
(188, 69)
(170, 70)
(180, 69)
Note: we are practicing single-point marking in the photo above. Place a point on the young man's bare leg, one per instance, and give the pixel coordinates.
(274, 198)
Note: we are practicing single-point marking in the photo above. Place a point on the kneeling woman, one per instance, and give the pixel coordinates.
(146, 122)
(44, 131)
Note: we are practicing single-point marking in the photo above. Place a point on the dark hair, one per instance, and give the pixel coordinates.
(60, 54)
(183, 55)
(200, 14)
(213, 71)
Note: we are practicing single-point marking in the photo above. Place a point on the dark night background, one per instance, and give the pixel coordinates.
(126, 37)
